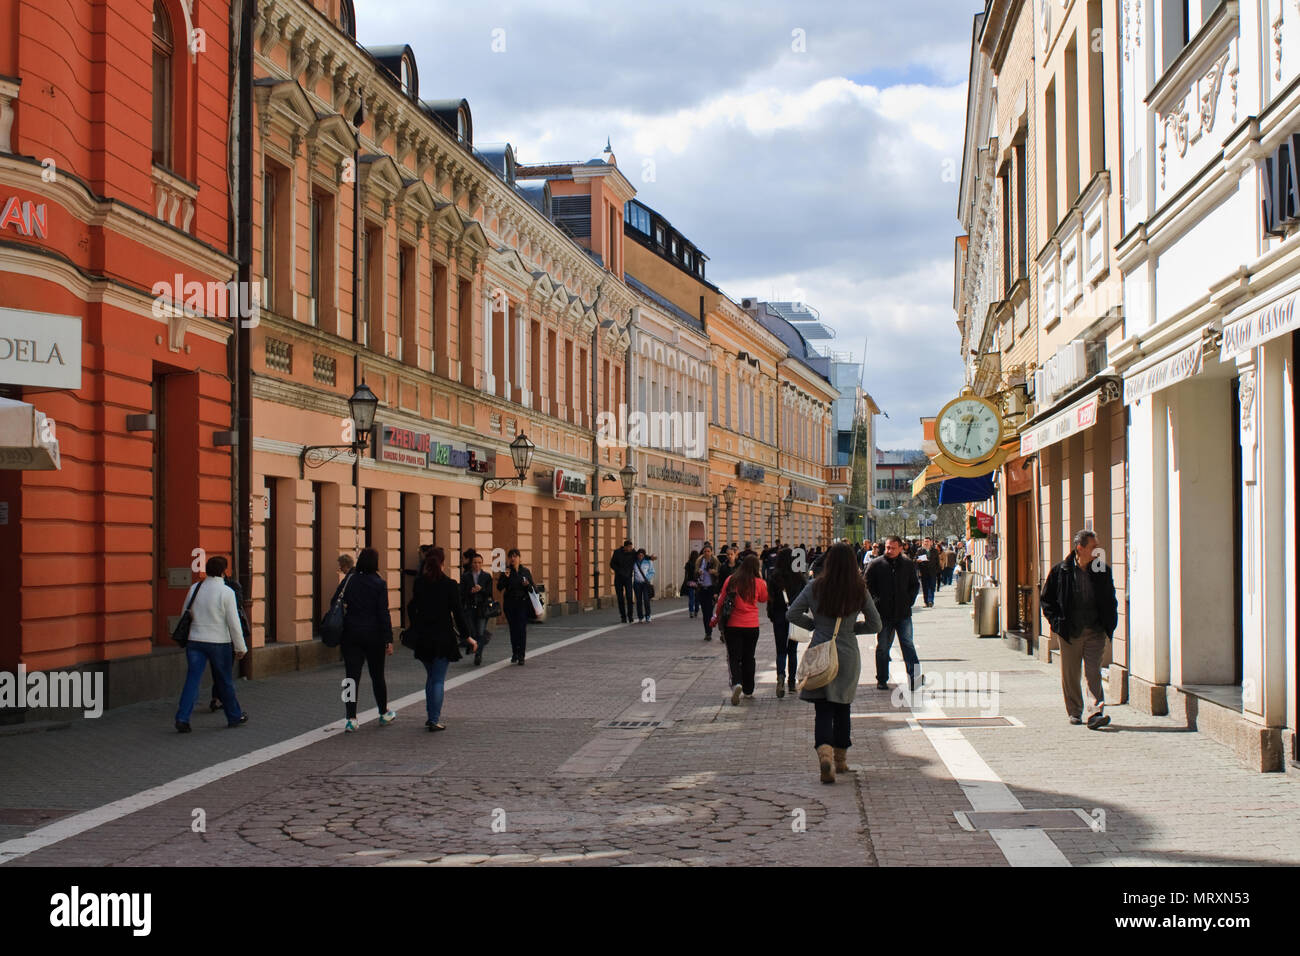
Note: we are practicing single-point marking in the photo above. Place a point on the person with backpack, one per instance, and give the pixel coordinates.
(708, 582)
(829, 607)
(737, 614)
(216, 639)
(643, 583)
(476, 599)
(367, 635)
(690, 583)
(437, 618)
(783, 585)
(516, 584)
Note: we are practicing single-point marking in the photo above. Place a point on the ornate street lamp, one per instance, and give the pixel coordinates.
(729, 496)
(521, 454)
(361, 408)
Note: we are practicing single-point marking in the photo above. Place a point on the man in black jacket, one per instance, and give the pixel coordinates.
(621, 564)
(927, 563)
(893, 584)
(1079, 602)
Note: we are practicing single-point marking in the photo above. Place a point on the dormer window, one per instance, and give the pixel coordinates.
(659, 235)
(348, 19)
(462, 126)
(408, 77)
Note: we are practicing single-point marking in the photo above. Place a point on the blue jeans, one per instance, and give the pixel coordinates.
(198, 655)
(927, 587)
(691, 601)
(642, 589)
(786, 649)
(885, 643)
(436, 670)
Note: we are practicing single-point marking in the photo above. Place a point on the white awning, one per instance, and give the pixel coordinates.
(1255, 328)
(27, 441)
(1069, 421)
(1183, 364)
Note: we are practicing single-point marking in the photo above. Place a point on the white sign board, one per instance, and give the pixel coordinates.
(1181, 365)
(1061, 426)
(1258, 327)
(40, 348)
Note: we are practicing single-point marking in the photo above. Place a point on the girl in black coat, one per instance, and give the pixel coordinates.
(783, 587)
(439, 624)
(367, 634)
(475, 596)
(515, 583)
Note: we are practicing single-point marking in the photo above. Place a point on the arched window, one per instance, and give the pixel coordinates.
(348, 19)
(462, 126)
(163, 47)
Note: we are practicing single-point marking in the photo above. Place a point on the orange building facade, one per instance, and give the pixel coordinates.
(119, 193)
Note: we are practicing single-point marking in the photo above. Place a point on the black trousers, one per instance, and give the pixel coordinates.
(707, 597)
(626, 602)
(517, 616)
(831, 724)
(371, 654)
(742, 642)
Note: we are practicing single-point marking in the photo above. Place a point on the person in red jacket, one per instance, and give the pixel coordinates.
(740, 630)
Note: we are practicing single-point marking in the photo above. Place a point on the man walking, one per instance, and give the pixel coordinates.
(708, 583)
(1079, 602)
(893, 584)
(621, 564)
(927, 563)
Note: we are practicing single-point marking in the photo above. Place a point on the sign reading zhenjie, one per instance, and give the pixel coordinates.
(38, 348)
(401, 446)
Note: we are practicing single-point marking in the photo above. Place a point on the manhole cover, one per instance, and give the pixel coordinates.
(383, 768)
(979, 721)
(632, 724)
(1071, 819)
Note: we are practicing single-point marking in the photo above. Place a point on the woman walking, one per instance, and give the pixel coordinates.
(475, 597)
(516, 582)
(643, 577)
(216, 638)
(439, 620)
(740, 631)
(367, 634)
(784, 585)
(707, 570)
(829, 607)
(690, 583)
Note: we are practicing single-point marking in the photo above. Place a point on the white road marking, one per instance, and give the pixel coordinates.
(77, 824)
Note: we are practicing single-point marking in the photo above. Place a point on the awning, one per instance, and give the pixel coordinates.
(1255, 328)
(1060, 426)
(27, 441)
(960, 491)
(932, 475)
(1183, 364)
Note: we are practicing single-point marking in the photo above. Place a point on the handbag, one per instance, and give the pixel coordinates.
(181, 635)
(727, 608)
(539, 609)
(493, 610)
(331, 625)
(820, 664)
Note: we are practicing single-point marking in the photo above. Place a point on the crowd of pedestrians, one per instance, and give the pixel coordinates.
(822, 597)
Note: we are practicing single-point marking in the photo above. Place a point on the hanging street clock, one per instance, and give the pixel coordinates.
(969, 432)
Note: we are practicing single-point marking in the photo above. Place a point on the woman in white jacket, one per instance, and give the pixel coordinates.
(216, 638)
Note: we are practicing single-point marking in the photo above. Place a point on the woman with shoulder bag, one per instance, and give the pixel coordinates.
(746, 589)
(690, 578)
(782, 587)
(439, 624)
(216, 638)
(515, 583)
(643, 582)
(476, 598)
(829, 607)
(367, 635)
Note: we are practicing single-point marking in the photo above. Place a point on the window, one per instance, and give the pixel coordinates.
(1004, 190)
(268, 233)
(348, 19)
(1096, 94)
(162, 86)
(1182, 20)
(1022, 221)
(462, 126)
(408, 77)
(318, 237)
(1049, 153)
(406, 337)
(659, 235)
(638, 217)
(1071, 70)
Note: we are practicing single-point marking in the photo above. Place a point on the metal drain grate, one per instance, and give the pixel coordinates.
(632, 724)
(976, 721)
(1069, 819)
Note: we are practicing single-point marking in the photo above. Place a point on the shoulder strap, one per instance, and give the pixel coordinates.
(838, 621)
(193, 595)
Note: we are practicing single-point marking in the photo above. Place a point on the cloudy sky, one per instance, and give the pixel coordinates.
(806, 147)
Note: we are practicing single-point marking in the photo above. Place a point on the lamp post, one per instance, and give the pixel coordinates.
(729, 495)
(521, 454)
(361, 408)
(627, 476)
(787, 507)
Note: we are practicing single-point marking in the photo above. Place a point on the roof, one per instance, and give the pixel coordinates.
(680, 314)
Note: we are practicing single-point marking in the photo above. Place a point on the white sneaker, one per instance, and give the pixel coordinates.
(349, 726)
(387, 718)
(735, 695)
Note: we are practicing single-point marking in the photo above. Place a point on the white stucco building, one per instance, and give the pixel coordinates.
(1211, 274)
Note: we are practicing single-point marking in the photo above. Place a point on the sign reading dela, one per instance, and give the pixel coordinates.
(38, 348)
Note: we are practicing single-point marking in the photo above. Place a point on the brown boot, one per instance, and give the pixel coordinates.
(824, 756)
(841, 760)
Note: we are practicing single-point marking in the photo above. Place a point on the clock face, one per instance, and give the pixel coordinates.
(968, 430)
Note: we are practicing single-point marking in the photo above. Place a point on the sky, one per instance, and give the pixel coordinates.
(810, 149)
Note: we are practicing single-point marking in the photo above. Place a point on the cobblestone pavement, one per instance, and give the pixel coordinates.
(622, 748)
